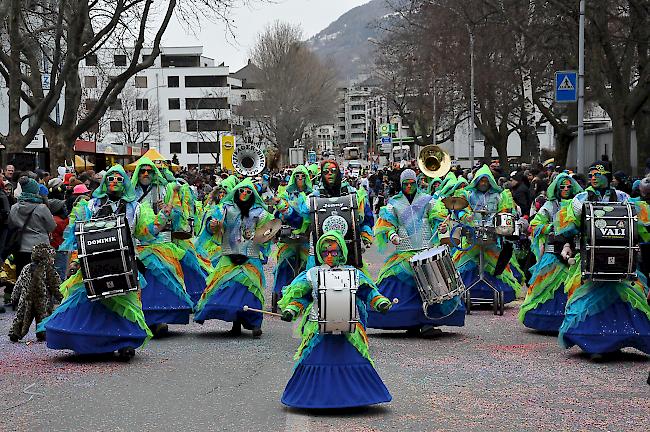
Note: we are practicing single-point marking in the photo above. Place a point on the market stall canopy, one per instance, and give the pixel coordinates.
(154, 155)
(81, 164)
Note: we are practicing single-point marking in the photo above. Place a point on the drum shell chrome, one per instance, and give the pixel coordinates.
(436, 277)
(337, 294)
(505, 224)
(107, 257)
(609, 241)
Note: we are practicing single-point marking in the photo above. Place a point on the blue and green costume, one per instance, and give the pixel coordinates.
(238, 278)
(110, 324)
(332, 370)
(543, 308)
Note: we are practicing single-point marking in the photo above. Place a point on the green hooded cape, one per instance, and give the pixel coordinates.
(129, 190)
(338, 238)
(553, 191)
(247, 182)
(484, 172)
(157, 178)
(291, 187)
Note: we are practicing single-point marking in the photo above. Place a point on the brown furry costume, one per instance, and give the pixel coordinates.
(35, 288)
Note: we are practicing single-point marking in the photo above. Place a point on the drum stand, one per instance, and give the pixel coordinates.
(498, 298)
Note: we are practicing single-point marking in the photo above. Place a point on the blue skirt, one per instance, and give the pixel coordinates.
(285, 273)
(482, 291)
(194, 276)
(334, 375)
(618, 326)
(407, 313)
(87, 327)
(547, 316)
(227, 304)
(161, 305)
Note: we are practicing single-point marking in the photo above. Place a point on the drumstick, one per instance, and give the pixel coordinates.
(395, 300)
(246, 309)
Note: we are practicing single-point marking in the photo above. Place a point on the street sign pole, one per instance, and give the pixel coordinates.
(581, 91)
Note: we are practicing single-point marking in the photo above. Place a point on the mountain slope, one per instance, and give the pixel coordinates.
(347, 41)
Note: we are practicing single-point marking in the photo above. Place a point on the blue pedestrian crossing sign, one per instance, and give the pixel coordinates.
(566, 86)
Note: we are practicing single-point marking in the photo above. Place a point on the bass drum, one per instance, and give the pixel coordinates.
(107, 257)
(609, 242)
(340, 214)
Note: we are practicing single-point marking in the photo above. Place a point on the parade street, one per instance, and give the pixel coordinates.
(492, 374)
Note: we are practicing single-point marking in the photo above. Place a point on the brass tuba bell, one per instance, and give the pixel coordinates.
(248, 160)
(434, 162)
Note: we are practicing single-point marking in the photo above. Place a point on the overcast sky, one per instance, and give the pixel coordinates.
(312, 15)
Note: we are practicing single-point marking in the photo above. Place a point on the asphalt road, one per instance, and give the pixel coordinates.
(491, 374)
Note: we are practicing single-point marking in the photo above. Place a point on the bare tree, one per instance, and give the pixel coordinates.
(55, 36)
(297, 88)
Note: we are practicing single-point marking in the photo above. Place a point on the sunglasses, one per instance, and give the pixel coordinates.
(300, 176)
(333, 253)
(115, 179)
(565, 187)
(146, 170)
(246, 191)
(329, 171)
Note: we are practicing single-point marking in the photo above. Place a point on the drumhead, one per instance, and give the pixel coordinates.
(429, 253)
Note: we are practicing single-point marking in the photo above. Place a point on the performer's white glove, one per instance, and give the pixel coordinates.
(394, 238)
(566, 252)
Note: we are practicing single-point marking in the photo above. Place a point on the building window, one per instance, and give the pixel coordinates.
(142, 125)
(91, 60)
(243, 97)
(119, 59)
(174, 125)
(141, 81)
(206, 81)
(172, 81)
(174, 104)
(478, 135)
(206, 103)
(174, 147)
(117, 105)
(205, 147)
(116, 126)
(90, 81)
(142, 104)
(207, 125)
(90, 104)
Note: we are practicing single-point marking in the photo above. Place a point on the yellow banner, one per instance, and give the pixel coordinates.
(227, 150)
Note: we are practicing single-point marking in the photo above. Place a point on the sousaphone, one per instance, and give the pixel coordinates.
(434, 161)
(248, 160)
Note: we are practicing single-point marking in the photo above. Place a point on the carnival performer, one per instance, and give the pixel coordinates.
(208, 246)
(332, 370)
(195, 270)
(543, 308)
(486, 199)
(331, 186)
(164, 297)
(602, 317)
(114, 323)
(291, 256)
(411, 221)
(238, 278)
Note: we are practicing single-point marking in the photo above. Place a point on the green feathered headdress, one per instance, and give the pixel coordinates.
(129, 190)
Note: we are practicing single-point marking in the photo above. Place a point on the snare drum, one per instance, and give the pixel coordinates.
(337, 295)
(609, 242)
(506, 225)
(107, 257)
(436, 276)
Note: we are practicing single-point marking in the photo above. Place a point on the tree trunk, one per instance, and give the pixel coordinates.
(502, 150)
(642, 126)
(562, 143)
(60, 151)
(621, 131)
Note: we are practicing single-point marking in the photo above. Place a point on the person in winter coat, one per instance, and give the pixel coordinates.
(37, 284)
(37, 228)
(60, 215)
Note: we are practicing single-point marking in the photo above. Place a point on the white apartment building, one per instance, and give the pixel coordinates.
(351, 117)
(180, 106)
